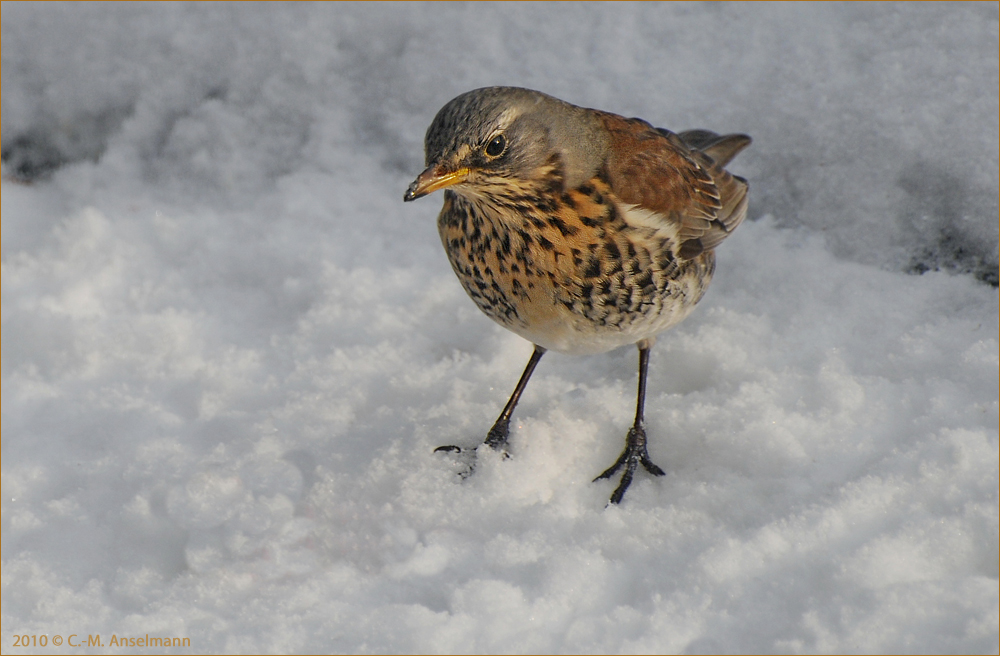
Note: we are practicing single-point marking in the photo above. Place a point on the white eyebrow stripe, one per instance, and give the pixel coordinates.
(507, 117)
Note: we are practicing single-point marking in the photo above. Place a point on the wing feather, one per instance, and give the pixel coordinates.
(680, 178)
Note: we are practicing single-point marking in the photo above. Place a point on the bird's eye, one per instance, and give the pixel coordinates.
(496, 146)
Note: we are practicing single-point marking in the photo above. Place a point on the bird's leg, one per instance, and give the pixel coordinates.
(497, 437)
(635, 442)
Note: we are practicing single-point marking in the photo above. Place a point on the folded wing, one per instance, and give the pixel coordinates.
(679, 177)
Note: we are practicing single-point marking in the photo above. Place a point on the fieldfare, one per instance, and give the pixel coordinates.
(577, 229)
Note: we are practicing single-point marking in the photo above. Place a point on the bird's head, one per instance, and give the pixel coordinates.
(497, 138)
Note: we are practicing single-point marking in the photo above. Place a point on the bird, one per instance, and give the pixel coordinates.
(578, 229)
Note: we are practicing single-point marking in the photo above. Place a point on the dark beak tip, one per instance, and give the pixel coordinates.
(411, 193)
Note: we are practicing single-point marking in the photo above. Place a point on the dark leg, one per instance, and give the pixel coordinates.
(497, 437)
(635, 442)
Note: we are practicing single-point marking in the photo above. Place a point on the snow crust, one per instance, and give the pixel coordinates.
(229, 348)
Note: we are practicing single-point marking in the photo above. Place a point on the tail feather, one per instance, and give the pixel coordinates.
(722, 148)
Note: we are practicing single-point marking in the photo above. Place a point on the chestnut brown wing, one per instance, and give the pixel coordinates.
(657, 170)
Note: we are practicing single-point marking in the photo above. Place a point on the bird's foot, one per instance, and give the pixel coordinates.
(496, 439)
(634, 454)
(466, 457)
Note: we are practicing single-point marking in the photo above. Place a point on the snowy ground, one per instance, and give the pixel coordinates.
(229, 348)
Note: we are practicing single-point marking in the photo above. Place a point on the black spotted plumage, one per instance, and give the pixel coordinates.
(586, 231)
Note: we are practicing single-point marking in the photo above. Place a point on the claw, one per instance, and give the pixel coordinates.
(465, 456)
(634, 454)
(496, 439)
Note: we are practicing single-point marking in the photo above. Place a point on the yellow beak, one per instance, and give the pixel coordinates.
(432, 179)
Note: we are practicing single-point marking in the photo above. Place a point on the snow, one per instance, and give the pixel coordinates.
(229, 348)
